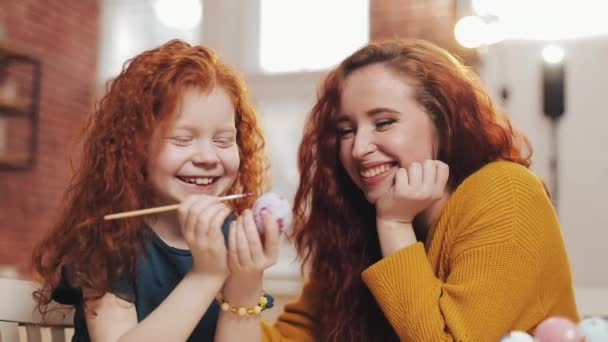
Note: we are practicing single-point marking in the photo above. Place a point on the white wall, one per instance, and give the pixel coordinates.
(129, 27)
(583, 161)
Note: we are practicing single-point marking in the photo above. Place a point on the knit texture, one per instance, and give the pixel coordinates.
(495, 261)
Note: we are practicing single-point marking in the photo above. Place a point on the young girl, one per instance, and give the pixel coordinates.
(174, 127)
(416, 209)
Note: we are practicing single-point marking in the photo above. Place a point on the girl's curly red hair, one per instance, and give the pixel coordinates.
(118, 141)
(335, 225)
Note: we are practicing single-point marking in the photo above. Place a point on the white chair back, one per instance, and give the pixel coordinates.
(21, 322)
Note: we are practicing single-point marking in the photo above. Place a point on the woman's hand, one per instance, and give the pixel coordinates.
(201, 218)
(415, 189)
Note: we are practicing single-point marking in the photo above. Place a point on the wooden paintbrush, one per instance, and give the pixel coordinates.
(165, 208)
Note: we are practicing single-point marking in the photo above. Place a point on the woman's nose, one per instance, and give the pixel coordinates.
(363, 144)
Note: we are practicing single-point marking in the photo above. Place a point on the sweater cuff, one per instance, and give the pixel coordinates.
(404, 284)
(411, 259)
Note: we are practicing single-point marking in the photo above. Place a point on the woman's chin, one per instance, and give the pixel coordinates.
(372, 197)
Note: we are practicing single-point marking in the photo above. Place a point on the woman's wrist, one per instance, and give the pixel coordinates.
(395, 235)
(393, 224)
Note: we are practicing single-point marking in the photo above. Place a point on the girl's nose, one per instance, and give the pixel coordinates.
(205, 154)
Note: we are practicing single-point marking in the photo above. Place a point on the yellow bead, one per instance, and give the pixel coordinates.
(263, 300)
(225, 306)
(257, 309)
(242, 311)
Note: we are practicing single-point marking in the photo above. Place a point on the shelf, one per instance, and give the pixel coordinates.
(14, 50)
(12, 108)
(14, 162)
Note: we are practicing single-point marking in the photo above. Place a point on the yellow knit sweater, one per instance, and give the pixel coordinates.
(495, 261)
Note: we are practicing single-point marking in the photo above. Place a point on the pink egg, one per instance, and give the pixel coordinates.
(557, 329)
(277, 206)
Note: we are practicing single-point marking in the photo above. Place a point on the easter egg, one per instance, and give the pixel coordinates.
(594, 329)
(557, 329)
(275, 205)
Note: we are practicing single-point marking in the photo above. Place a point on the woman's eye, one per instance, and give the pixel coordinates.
(345, 132)
(384, 124)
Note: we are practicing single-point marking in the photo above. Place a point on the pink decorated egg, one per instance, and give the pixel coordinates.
(275, 205)
(557, 329)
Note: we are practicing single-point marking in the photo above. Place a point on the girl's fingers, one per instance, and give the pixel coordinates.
(232, 247)
(253, 236)
(206, 213)
(271, 237)
(217, 221)
(194, 211)
(241, 244)
(183, 213)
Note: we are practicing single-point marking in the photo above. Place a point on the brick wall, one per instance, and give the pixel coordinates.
(425, 19)
(64, 34)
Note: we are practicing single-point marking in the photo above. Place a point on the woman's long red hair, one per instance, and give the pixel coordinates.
(118, 143)
(334, 224)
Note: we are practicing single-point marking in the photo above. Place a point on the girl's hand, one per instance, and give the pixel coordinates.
(201, 218)
(415, 189)
(248, 257)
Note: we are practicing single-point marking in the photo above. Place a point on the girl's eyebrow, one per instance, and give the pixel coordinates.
(190, 129)
(227, 130)
(183, 125)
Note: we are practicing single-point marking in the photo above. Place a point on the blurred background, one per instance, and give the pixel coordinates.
(540, 59)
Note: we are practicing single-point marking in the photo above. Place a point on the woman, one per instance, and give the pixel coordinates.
(416, 210)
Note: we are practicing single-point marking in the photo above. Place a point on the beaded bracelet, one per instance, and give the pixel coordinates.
(264, 302)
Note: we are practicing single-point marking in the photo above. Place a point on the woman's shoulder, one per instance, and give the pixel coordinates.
(500, 180)
(502, 172)
(498, 189)
(498, 193)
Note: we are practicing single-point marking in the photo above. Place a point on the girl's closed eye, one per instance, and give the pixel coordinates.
(181, 140)
(225, 141)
